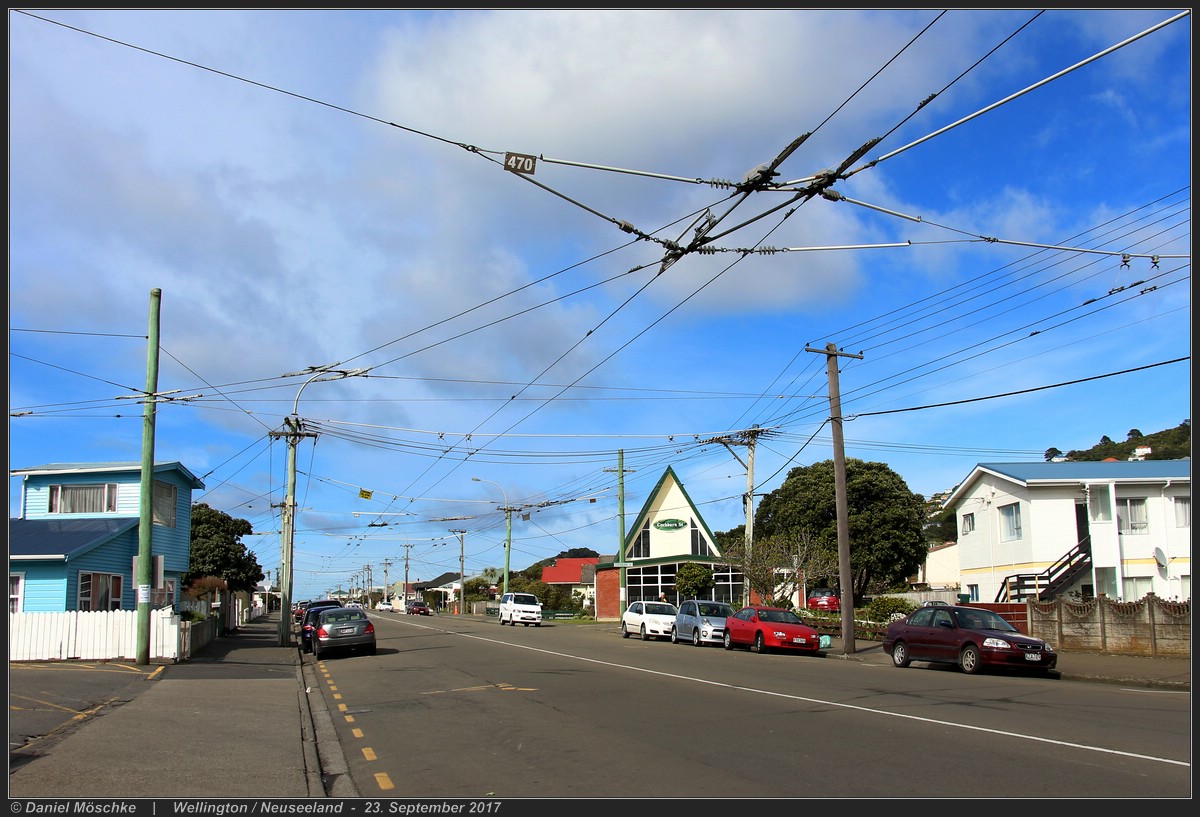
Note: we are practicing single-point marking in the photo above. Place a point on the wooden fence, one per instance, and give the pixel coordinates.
(108, 635)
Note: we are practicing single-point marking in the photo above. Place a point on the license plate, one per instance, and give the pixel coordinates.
(345, 630)
(799, 640)
(1033, 656)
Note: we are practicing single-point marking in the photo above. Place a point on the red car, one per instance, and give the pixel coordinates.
(763, 629)
(824, 599)
(971, 637)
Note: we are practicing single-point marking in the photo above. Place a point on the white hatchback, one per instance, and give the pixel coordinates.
(520, 608)
(649, 619)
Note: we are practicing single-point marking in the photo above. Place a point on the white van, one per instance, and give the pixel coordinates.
(520, 608)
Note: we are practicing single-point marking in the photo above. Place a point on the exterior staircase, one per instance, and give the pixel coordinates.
(1050, 582)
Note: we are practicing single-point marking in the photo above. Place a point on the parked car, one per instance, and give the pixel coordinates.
(385, 606)
(701, 622)
(309, 622)
(763, 629)
(520, 608)
(649, 619)
(971, 637)
(342, 629)
(416, 607)
(298, 610)
(822, 598)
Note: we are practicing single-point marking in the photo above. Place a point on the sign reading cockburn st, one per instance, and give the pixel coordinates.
(670, 524)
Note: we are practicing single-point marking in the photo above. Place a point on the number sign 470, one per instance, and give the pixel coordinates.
(520, 163)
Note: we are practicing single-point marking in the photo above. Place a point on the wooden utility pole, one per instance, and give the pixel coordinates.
(462, 576)
(622, 565)
(845, 576)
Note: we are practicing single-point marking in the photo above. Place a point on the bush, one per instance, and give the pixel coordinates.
(882, 609)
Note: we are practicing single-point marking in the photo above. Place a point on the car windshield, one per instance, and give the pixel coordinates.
(525, 599)
(661, 609)
(779, 616)
(341, 616)
(974, 619)
(716, 610)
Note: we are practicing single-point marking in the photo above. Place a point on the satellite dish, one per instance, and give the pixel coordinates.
(1160, 559)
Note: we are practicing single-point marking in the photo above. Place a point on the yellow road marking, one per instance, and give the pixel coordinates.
(358, 733)
(349, 719)
(368, 753)
(384, 781)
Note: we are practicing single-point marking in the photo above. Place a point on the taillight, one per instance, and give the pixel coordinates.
(370, 628)
(321, 633)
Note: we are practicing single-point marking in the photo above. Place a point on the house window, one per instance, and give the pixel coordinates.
(968, 523)
(1098, 503)
(1183, 511)
(699, 543)
(164, 504)
(1010, 522)
(1137, 587)
(1131, 516)
(16, 592)
(973, 591)
(99, 591)
(641, 545)
(83, 498)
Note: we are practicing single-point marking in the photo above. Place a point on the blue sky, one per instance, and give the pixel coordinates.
(315, 188)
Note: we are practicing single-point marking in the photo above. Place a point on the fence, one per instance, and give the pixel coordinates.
(107, 635)
(1150, 626)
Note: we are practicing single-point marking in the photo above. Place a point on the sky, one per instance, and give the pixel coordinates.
(530, 259)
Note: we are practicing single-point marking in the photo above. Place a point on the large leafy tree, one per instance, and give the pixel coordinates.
(885, 523)
(217, 550)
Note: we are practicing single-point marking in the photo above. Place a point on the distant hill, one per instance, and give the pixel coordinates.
(1171, 444)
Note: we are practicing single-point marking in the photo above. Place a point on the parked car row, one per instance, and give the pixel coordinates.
(971, 637)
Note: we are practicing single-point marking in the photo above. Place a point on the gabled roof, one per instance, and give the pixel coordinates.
(1050, 473)
(440, 581)
(568, 570)
(61, 539)
(636, 528)
(108, 467)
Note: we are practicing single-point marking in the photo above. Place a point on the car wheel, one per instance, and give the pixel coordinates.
(373, 649)
(526, 623)
(537, 624)
(900, 655)
(674, 636)
(645, 635)
(968, 659)
(727, 641)
(624, 630)
(696, 637)
(316, 651)
(760, 646)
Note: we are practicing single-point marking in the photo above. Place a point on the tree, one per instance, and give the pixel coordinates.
(1134, 434)
(217, 550)
(694, 580)
(1051, 453)
(886, 520)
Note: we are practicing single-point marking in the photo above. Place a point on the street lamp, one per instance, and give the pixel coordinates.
(507, 528)
(294, 431)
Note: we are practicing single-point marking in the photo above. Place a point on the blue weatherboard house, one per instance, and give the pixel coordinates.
(75, 544)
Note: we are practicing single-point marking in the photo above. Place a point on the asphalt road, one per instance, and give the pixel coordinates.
(461, 707)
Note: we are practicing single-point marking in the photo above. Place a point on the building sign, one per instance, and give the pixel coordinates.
(670, 524)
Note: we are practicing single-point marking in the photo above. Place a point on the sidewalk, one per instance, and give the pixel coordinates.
(235, 722)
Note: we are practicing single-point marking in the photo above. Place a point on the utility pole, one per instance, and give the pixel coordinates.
(294, 432)
(845, 577)
(386, 563)
(748, 438)
(621, 563)
(462, 576)
(145, 561)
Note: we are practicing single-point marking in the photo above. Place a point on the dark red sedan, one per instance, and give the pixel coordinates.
(971, 637)
(763, 629)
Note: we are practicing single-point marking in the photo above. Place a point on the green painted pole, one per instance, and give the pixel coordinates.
(145, 562)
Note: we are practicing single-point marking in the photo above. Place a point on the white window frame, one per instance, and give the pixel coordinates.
(1010, 522)
(165, 503)
(1183, 511)
(968, 524)
(16, 597)
(1136, 588)
(1132, 516)
(115, 581)
(74, 499)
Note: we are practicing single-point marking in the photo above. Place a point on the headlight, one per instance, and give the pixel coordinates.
(996, 644)
(1048, 647)
(780, 634)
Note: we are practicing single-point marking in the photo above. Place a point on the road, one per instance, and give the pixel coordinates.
(462, 707)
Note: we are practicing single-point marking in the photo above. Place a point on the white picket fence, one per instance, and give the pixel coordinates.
(97, 636)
